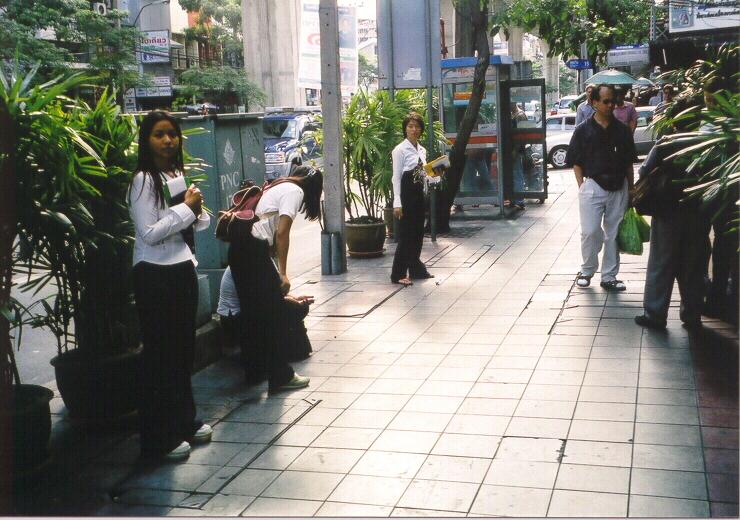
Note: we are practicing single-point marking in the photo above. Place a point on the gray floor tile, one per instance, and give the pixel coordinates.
(364, 418)
(498, 390)
(552, 392)
(672, 484)
(330, 460)
(250, 482)
(303, 485)
(299, 435)
(602, 479)
(557, 351)
(587, 504)
(389, 402)
(226, 431)
(668, 414)
(466, 445)
(246, 454)
(539, 450)
(505, 375)
(533, 427)
(477, 424)
(225, 505)
(408, 372)
(361, 489)
(406, 441)
(522, 473)
(395, 386)
(448, 388)
(389, 464)
(608, 431)
(334, 399)
(680, 458)
(596, 411)
(214, 453)
(277, 457)
(562, 363)
(613, 365)
(341, 509)
(666, 396)
(545, 409)
(608, 394)
(673, 434)
(519, 362)
(642, 506)
(628, 379)
(454, 469)
(153, 497)
(282, 507)
(350, 438)
(218, 480)
(178, 477)
(511, 501)
(486, 406)
(320, 416)
(440, 495)
(420, 421)
(557, 377)
(433, 404)
(464, 374)
(411, 512)
(598, 453)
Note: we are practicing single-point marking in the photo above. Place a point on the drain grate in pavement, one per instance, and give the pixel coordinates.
(462, 232)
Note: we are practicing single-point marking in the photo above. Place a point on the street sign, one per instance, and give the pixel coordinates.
(579, 64)
(628, 55)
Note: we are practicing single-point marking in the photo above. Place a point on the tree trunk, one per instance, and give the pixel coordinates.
(7, 236)
(476, 11)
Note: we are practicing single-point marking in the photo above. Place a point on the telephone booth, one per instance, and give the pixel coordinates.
(504, 139)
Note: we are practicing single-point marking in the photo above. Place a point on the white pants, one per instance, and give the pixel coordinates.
(596, 205)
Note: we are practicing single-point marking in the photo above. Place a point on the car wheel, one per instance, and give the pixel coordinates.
(557, 156)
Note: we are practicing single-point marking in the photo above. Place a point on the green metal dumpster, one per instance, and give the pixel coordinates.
(232, 151)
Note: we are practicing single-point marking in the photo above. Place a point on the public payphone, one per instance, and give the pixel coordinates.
(504, 139)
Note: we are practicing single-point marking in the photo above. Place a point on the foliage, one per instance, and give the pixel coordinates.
(72, 33)
(219, 24)
(567, 79)
(367, 71)
(566, 24)
(222, 82)
(709, 145)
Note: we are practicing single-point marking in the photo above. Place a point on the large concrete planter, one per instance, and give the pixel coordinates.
(365, 240)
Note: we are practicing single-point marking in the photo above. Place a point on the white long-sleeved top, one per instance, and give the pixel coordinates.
(158, 238)
(405, 157)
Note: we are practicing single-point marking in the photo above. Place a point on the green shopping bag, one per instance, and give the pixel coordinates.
(643, 226)
(630, 236)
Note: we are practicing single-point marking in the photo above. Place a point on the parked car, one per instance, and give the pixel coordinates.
(564, 104)
(559, 130)
(533, 111)
(289, 141)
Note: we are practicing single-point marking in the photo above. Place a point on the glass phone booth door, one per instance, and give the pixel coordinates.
(523, 147)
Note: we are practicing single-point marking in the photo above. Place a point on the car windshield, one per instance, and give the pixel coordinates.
(275, 128)
(554, 124)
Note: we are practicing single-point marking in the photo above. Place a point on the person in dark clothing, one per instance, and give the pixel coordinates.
(601, 152)
(679, 246)
(409, 180)
(262, 283)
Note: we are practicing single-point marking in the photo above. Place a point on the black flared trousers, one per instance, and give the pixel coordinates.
(264, 316)
(166, 301)
(411, 235)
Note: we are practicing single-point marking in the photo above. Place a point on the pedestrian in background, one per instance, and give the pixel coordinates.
(409, 179)
(585, 109)
(667, 91)
(262, 282)
(166, 291)
(601, 153)
(624, 111)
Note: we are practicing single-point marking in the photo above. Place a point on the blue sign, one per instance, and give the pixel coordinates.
(579, 64)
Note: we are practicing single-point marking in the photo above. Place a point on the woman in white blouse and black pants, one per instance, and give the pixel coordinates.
(166, 291)
(409, 177)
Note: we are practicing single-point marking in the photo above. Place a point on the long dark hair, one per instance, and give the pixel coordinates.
(146, 163)
(311, 181)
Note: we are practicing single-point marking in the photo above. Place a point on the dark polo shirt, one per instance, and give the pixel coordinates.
(605, 154)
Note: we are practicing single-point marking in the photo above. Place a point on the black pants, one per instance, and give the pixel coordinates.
(411, 235)
(263, 311)
(166, 301)
(679, 250)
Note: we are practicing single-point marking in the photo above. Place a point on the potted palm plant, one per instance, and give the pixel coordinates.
(73, 164)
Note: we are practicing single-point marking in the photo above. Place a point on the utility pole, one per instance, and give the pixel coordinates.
(331, 111)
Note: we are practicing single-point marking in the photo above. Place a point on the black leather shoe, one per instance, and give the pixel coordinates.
(644, 321)
(422, 276)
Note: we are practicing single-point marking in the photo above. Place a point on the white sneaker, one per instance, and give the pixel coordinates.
(583, 280)
(180, 453)
(297, 382)
(203, 435)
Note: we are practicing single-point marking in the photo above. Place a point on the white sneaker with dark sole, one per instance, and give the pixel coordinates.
(297, 382)
(203, 435)
(182, 452)
(583, 280)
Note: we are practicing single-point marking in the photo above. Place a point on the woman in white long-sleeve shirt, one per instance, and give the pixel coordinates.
(409, 177)
(166, 291)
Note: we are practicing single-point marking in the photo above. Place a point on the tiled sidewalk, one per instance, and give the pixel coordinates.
(495, 389)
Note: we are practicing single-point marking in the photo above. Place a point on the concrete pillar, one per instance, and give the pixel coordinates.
(331, 111)
(516, 35)
(551, 72)
(271, 33)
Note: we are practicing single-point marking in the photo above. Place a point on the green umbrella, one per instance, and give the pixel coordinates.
(612, 77)
(644, 82)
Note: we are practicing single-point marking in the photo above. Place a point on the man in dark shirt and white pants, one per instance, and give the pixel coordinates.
(601, 152)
